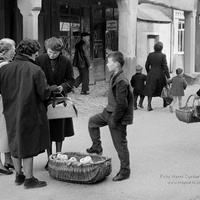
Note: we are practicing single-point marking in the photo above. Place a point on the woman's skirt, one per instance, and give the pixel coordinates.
(61, 128)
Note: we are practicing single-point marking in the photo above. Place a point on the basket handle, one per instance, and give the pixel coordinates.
(194, 99)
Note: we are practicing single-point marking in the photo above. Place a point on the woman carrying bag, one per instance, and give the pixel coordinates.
(59, 72)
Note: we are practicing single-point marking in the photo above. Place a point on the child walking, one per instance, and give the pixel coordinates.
(138, 83)
(178, 86)
(117, 115)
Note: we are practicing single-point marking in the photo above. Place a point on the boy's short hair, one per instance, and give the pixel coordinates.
(138, 68)
(179, 71)
(117, 56)
(53, 43)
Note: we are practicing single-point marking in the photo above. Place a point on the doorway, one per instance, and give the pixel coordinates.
(98, 43)
(151, 41)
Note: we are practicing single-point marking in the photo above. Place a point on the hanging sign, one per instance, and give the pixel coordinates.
(111, 25)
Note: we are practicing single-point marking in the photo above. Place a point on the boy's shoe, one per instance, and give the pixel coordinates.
(19, 179)
(91, 150)
(120, 176)
(140, 105)
(34, 183)
(135, 108)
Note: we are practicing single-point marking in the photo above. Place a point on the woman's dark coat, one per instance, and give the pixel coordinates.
(23, 89)
(157, 72)
(64, 76)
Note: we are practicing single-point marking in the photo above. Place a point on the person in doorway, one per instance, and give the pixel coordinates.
(138, 83)
(23, 87)
(178, 86)
(7, 52)
(59, 72)
(157, 73)
(117, 115)
(81, 61)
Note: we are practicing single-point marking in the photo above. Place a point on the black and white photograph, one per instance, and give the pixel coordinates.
(100, 99)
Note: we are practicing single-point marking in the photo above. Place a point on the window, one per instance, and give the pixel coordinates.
(181, 31)
(111, 36)
(74, 19)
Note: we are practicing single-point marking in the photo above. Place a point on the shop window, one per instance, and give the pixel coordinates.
(98, 14)
(111, 41)
(74, 19)
(181, 31)
(116, 13)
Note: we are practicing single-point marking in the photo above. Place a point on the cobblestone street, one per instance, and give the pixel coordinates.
(93, 103)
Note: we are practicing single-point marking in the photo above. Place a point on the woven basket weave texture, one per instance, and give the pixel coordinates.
(85, 173)
(189, 114)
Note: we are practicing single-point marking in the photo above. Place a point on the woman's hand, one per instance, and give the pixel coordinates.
(54, 88)
(60, 88)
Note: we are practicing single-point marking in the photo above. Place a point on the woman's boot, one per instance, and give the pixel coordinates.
(149, 108)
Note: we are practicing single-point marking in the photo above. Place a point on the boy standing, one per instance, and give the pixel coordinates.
(138, 83)
(117, 115)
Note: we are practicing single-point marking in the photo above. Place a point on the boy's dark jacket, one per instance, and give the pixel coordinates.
(138, 83)
(123, 112)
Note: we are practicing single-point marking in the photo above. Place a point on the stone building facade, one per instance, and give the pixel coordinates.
(109, 21)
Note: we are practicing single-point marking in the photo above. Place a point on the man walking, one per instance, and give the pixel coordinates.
(81, 61)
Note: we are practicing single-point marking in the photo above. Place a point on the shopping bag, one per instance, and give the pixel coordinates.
(165, 94)
(61, 107)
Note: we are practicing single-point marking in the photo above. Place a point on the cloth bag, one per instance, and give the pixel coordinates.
(165, 94)
(61, 107)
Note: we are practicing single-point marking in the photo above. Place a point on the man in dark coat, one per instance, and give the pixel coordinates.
(81, 61)
(117, 115)
(59, 72)
(23, 89)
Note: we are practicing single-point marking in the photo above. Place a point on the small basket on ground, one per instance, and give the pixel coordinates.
(189, 114)
(79, 173)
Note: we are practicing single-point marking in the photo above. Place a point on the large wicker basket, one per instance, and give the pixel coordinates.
(189, 114)
(85, 173)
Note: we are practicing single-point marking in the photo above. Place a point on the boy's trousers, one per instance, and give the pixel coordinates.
(118, 134)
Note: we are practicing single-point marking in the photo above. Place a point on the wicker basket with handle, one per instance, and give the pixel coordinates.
(189, 114)
(84, 173)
